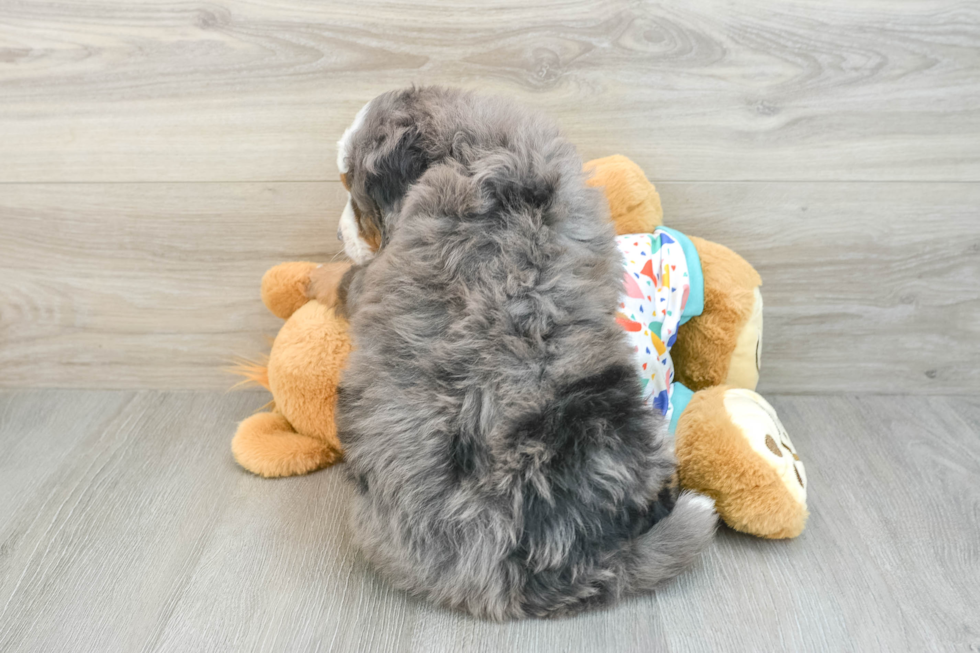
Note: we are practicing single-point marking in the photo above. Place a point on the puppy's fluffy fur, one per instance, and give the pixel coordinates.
(490, 413)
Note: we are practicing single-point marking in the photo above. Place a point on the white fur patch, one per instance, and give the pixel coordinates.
(343, 145)
(703, 503)
(357, 250)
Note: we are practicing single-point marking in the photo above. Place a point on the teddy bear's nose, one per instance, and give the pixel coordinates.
(340, 235)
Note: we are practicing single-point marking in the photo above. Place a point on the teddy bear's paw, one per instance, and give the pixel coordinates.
(766, 435)
(266, 444)
(325, 282)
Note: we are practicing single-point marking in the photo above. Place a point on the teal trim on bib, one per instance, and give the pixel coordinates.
(679, 399)
(695, 302)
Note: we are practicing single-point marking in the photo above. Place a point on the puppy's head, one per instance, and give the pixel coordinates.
(384, 151)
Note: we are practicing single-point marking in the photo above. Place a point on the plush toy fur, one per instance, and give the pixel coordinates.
(308, 355)
(705, 351)
(634, 203)
(729, 442)
(752, 493)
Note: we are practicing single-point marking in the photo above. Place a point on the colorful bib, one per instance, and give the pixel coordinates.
(662, 288)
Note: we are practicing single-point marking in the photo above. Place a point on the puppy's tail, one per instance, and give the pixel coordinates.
(673, 543)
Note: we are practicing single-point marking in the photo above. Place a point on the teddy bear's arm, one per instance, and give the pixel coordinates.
(284, 287)
(325, 282)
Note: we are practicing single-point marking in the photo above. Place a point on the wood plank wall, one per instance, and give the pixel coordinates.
(157, 157)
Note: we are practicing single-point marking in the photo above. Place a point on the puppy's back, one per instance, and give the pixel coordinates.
(490, 414)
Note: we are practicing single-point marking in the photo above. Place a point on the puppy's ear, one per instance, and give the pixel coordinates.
(396, 164)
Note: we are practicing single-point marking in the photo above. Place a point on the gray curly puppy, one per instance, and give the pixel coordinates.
(490, 415)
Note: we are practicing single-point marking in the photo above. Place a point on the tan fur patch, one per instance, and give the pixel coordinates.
(368, 229)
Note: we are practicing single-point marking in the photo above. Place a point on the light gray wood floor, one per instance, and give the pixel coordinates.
(125, 525)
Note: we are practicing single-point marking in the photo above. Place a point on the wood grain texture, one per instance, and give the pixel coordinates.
(125, 525)
(118, 90)
(136, 285)
(868, 287)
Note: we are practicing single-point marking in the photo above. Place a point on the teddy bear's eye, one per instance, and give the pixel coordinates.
(772, 446)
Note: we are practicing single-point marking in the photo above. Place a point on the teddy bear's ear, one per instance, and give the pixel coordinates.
(634, 204)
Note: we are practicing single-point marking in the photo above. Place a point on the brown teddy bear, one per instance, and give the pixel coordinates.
(298, 435)
(729, 442)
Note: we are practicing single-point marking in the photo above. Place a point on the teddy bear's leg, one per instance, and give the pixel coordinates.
(721, 346)
(731, 446)
(266, 444)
